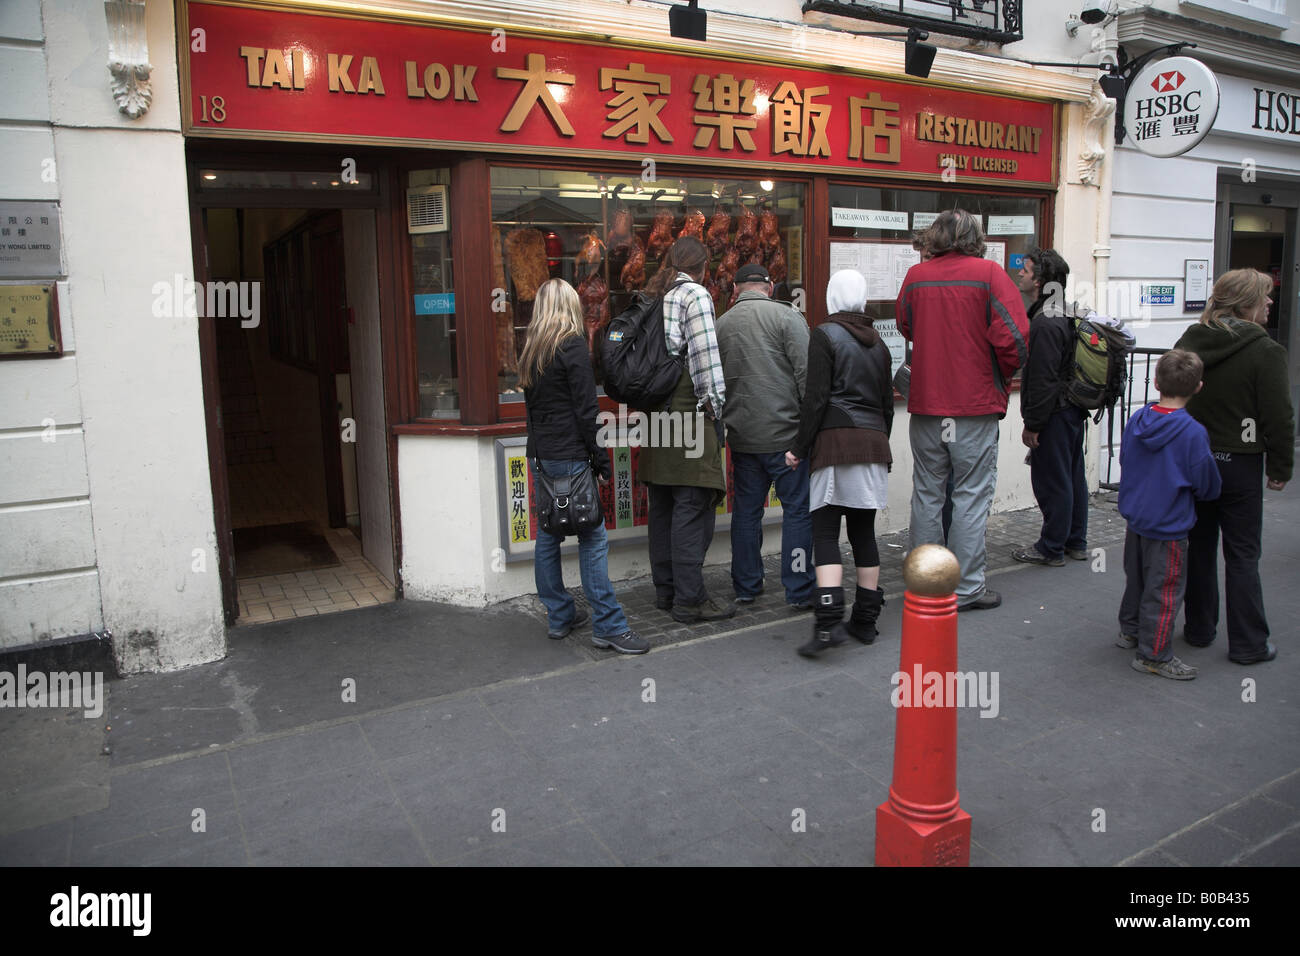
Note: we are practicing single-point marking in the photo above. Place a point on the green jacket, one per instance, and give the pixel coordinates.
(764, 349)
(672, 465)
(1245, 403)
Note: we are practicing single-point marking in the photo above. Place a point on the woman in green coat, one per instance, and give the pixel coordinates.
(1245, 405)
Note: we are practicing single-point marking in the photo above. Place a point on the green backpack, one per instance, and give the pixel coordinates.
(1100, 365)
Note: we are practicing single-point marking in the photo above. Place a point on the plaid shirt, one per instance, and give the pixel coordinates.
(688, 325)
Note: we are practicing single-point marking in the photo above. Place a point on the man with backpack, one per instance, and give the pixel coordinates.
(686, 485)
(1054, 427)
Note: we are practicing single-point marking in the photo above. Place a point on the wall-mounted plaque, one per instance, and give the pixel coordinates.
(29, 322)
(31, 241)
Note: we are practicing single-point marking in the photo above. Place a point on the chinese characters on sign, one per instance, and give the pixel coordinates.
(290, 75)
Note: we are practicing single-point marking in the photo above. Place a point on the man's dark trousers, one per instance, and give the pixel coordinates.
(1059, 483)
(681, 530)
(752, 475)
(1239, 511)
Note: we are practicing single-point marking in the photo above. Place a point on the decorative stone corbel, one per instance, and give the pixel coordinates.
(128, 56)
(1097, 117)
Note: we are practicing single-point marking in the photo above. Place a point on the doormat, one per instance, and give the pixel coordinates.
(281, 548)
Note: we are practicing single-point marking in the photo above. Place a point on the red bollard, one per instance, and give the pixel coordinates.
(921, 824)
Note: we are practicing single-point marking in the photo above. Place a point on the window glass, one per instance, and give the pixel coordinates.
(434, 295)
(878, 225)
(607, 236)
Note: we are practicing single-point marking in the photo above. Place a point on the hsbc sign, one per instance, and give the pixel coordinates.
(1170, 106)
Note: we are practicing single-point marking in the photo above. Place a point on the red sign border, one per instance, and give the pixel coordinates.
(189, 129)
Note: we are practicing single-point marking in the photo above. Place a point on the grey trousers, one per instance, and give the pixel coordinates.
(1155, 581)
(968, 447)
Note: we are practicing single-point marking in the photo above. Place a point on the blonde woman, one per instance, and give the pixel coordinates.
(560, 398)
(1245, 405)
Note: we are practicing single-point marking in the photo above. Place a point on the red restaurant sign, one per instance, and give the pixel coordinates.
(256, 73)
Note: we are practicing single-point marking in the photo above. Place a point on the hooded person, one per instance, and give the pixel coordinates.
(1245, 406)
(845, 421)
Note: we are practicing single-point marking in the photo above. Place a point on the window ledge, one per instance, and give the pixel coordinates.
(456, 428)
(1242, 10)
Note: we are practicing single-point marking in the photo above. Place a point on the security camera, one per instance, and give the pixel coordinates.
(1092, 16)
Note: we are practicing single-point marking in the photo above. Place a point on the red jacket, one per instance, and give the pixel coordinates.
(969, 331)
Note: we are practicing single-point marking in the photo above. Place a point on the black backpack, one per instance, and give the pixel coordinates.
(1099, 366)
(638, 370)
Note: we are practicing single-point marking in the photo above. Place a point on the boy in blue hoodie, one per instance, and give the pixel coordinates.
(1166, 464)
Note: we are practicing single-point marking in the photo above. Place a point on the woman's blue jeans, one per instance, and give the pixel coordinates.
(607, 615)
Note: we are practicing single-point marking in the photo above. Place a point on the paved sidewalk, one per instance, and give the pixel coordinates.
(474, 740)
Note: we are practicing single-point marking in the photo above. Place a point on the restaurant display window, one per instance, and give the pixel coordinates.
(434, 294)
(872, 229)
(608, 236)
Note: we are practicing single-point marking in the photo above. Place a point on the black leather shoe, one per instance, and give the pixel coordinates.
(987, 600)
(1270, 652)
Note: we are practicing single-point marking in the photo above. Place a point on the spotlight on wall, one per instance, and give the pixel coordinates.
(688, 23)
(766, 185)
(918, 57)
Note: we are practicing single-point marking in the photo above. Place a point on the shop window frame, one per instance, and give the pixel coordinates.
(470, 198)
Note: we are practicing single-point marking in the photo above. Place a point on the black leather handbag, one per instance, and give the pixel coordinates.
(567, 504)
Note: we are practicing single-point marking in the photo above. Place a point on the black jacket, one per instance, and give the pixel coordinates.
(834, 399)
(561, 408)
(1050, 364)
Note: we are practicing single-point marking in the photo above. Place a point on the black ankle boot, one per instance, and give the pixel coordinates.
(867, 603)
(828, 608)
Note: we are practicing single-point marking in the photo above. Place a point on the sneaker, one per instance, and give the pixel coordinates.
(708, 611)
(664, 603)
(987, 600)
(749, 598)
(799, 607)
(1126, 642)
(580, 617)
(629, 643)
(1034, 556)
(1077, 555)
(1173, 668)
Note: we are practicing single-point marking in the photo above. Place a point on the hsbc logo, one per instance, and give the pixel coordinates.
(1171, 106)
(1167, 82)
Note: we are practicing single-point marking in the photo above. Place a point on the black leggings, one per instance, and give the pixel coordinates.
(862, 535)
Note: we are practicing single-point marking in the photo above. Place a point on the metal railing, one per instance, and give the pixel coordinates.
(1140, 390)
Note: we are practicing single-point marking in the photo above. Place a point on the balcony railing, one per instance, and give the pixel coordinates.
(998, 21)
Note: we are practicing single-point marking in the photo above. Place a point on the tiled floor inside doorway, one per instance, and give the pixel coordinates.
(261, 494)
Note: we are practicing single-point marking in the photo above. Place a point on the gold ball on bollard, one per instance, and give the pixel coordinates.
(931, 570)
